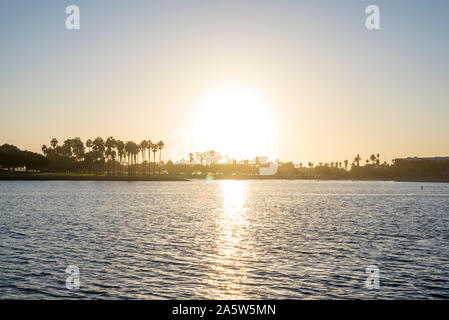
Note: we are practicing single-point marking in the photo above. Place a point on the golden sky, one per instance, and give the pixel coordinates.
(326, 87)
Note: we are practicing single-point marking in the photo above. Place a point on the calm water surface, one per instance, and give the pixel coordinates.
(224, 239)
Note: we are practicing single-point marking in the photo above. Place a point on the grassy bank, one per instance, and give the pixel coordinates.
(83, 177)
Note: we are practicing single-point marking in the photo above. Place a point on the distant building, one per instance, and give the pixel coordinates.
(427, 160)
(435, 167)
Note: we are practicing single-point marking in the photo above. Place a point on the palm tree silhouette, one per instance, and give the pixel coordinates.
(132, 150)
(149, 147)
(110, 152)
(44, 149)
(89, 144)
(128, 151)
(160, 146)
(154, 148)
(143, 146)
(98, 148)
(135, 151)
(54, 143)
(121, 153)
(357, 160)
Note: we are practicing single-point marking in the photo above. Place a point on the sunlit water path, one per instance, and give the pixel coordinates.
(224, 239)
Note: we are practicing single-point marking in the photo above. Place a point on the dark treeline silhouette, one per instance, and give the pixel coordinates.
(99, 156)
(409, 168)
(114, 157)
(12, 157)
(372, 169)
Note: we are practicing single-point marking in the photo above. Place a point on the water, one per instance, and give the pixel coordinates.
(224, 239)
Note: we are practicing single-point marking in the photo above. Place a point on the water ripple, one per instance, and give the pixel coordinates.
(224, 239)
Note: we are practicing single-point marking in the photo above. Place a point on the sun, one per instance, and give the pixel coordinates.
(236, 122)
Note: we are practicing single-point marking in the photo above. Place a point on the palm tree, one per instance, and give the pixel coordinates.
(120, 145)
(143, 146)
(89, 144)
(114, 156)
(78, 149)
(160, 146)
(132, 149)
(110, 153)
(149, 147)
(128, 151)
(373, 158)
(98, 148)
(54, 143)
(357, 160)
(44, 149)
(154, 148)
(135, 151)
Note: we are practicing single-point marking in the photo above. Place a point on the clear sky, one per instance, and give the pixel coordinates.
(143, 69)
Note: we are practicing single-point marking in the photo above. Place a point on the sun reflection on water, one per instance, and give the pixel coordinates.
(228, 267)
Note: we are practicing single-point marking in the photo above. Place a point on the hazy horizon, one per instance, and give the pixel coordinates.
(324, 87)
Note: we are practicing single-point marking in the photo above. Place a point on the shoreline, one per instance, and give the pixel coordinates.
(61, 177)
(74, 177)
(327, 179)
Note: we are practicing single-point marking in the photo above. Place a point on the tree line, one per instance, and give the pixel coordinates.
(116, 157)
(208, 162)
(112, 156)
(12, 157)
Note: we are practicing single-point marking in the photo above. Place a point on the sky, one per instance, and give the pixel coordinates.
(327, 87)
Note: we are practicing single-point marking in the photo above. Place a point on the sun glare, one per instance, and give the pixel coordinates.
(235, 122)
